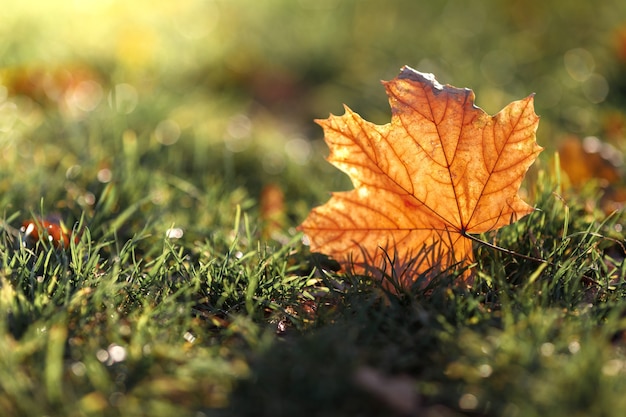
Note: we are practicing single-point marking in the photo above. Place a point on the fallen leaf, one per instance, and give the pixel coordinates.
(442, 169)
(51, 229)
(588, 159)
(272, 210)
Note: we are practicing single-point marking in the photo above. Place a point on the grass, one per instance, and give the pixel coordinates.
(225, 321)
(182, 296)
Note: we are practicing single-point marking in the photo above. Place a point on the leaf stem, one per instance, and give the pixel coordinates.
(505, 250)
(585, 278)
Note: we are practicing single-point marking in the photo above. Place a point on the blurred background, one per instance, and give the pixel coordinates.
(231, 87)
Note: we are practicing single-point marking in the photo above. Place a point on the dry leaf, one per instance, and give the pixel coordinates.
(440, 170)
(588, 159)
(272, 210)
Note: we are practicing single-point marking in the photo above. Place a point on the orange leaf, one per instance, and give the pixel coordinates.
(272, 210)
(440, 170)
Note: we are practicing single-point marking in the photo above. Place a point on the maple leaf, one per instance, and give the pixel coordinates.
(442, 169)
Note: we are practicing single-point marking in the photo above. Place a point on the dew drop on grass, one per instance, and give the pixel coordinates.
(485, 370)
(573, 347)
(87, 199)
(102, 355)
(174, 233)
(73, 172)
(125, 330)
(104, 175)
(468, 401)
(547, 349)
(612, 367)
(189, 337)
(116, 353)
(78, 368)
(167, 132)
(281, 327)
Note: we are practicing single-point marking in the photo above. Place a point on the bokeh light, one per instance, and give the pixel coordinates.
(231, 88)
